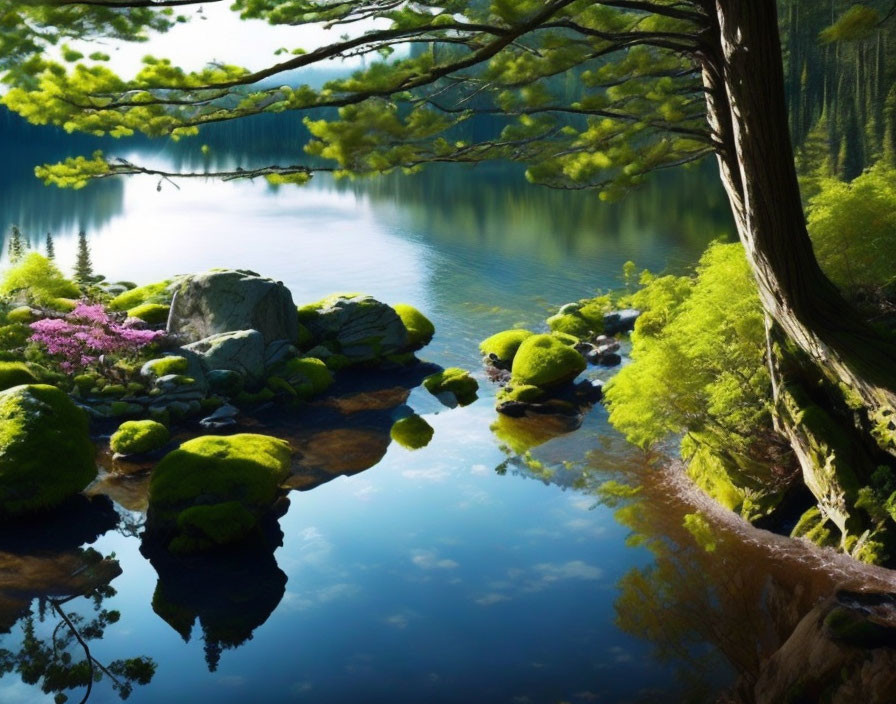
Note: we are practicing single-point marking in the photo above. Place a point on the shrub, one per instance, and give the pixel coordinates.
(36, 280)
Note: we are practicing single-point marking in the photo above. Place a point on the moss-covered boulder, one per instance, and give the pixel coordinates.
(136, 437)
(453, 381)
(165, 366)
(227, 300)
(21, 314)
(420, 328)
(46, 454)
(228, 479)
(544, 361)
(358, 328)
(151, 313)
(500, 349)
(412, 432)
(16, 374)
(240, 351)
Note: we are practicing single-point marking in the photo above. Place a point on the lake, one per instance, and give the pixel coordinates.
(483, 567)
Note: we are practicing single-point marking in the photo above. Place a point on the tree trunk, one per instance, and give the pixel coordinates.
(744, 77)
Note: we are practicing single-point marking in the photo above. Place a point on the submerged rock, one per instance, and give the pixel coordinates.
(46, 454)
(221, 301)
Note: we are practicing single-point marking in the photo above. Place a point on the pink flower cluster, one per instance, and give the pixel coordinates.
(87, 333)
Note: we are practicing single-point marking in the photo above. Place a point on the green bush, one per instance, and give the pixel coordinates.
(853, 228)
(37, 281)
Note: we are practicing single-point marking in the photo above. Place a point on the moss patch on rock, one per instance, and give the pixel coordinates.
(502, 347)
(453, 380)
(216, 473)
(152, 313)
(16, 374)
(544, 361)
(412, 432)
(165, 366)
(420, 328)
(151, 293)
(46, 454)
(138, 436)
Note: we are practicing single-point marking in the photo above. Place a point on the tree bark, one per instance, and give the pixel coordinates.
(744, 80)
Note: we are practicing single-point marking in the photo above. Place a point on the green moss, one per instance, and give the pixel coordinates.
(114, 390)
(520, 392)
(62, 305)
(412, 432)
(583, 320)
(570, 324)
(245, 398)
(246, 468)
(137, 436)
(455, 381)
(22, 314)
(337, 361)
(544, 361)
(504, 345)
(813, 526)
(15, 374)
(14, 336)
(151, 293)
(45, 449)
(420, 329)
(152, 313)
(304, 339)
(307, 371)
(566, 339)
(165, 366)
(204, 527)
(225, 381)
(85, 382)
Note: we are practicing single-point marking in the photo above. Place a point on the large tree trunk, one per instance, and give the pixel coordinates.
(744, 77)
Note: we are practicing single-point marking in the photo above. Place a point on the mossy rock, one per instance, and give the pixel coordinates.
(216, 473)
(139, 436)
(502, 347)
(304, 339)
(151, 313)
(583, 319)
(165, 366)
(46, 455)
(521, 393)
(22, 314)
(225, 381)
(455, 381)
(544, 361)
(412, 432)
(566, 339)
(16, 374)
(420, 329)
(570, 324)
(306, 373)
(160, 293)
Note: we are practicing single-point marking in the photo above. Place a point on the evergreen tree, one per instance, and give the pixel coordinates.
(83, 265)
(51, 249)
(17, 245)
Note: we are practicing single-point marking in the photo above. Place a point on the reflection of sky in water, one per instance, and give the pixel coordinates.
(429, 577)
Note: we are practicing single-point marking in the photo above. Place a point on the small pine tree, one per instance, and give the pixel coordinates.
(83, 265)
(17, 245)
(51, 248)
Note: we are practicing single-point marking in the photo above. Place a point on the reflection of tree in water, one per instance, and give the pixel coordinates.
(40, 562)
(230, 595)
(721, 595)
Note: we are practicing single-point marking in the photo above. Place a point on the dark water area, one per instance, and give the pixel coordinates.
(483, 567)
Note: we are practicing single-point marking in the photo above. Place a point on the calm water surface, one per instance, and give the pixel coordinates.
(480, 568)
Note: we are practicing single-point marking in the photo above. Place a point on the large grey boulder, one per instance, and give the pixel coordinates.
(241, 351)
(356, 326)
(226, 300)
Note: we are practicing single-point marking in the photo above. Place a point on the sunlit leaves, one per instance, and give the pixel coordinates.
(857, 23)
